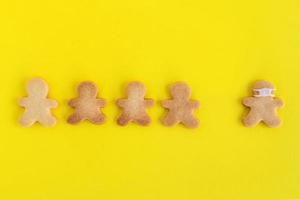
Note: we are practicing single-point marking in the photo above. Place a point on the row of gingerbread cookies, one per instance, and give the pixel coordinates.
(88, 106)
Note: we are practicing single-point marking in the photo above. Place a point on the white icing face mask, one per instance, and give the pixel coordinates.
(264, 92)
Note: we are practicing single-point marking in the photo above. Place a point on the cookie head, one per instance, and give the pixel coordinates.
(136, 90)
(37, 87)
(180, 91)
(88, 89)
(263, 89)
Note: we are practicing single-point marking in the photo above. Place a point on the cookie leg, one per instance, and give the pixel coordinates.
(170, 120)
(47, 120)
(123, 120)
(74, 119)
(26, 120)
(191, 122)
(144, 120)
(252, 120)
(98, 119)
(273, 122)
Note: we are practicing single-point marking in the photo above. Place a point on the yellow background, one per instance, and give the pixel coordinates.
(218, 47)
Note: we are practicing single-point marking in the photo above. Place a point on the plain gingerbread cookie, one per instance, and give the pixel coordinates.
(37, 105)
(134, 107)
(180, 108)
(87, 105)
(263, 105)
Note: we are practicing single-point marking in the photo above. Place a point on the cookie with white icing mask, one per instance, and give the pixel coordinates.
(263, 105)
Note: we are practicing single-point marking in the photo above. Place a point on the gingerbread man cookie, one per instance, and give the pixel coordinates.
(87, 105)
(181, 108)
(263, 105)
(37, 105)
(134, 107)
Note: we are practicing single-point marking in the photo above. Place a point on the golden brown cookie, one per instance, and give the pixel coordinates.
(37, 105)
(87, 105)
(263, 105)
(180, 108)
(134, 107)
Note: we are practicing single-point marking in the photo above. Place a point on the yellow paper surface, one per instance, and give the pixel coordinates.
(218, 47)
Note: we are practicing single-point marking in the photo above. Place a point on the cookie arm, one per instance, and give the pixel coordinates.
(122, 102)
(23, 102)
(279, 103)
(51, 103)
(101, 102)
(149, 102)
(167, 103)
(248, 101)
(194, 104)
(73, 103)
